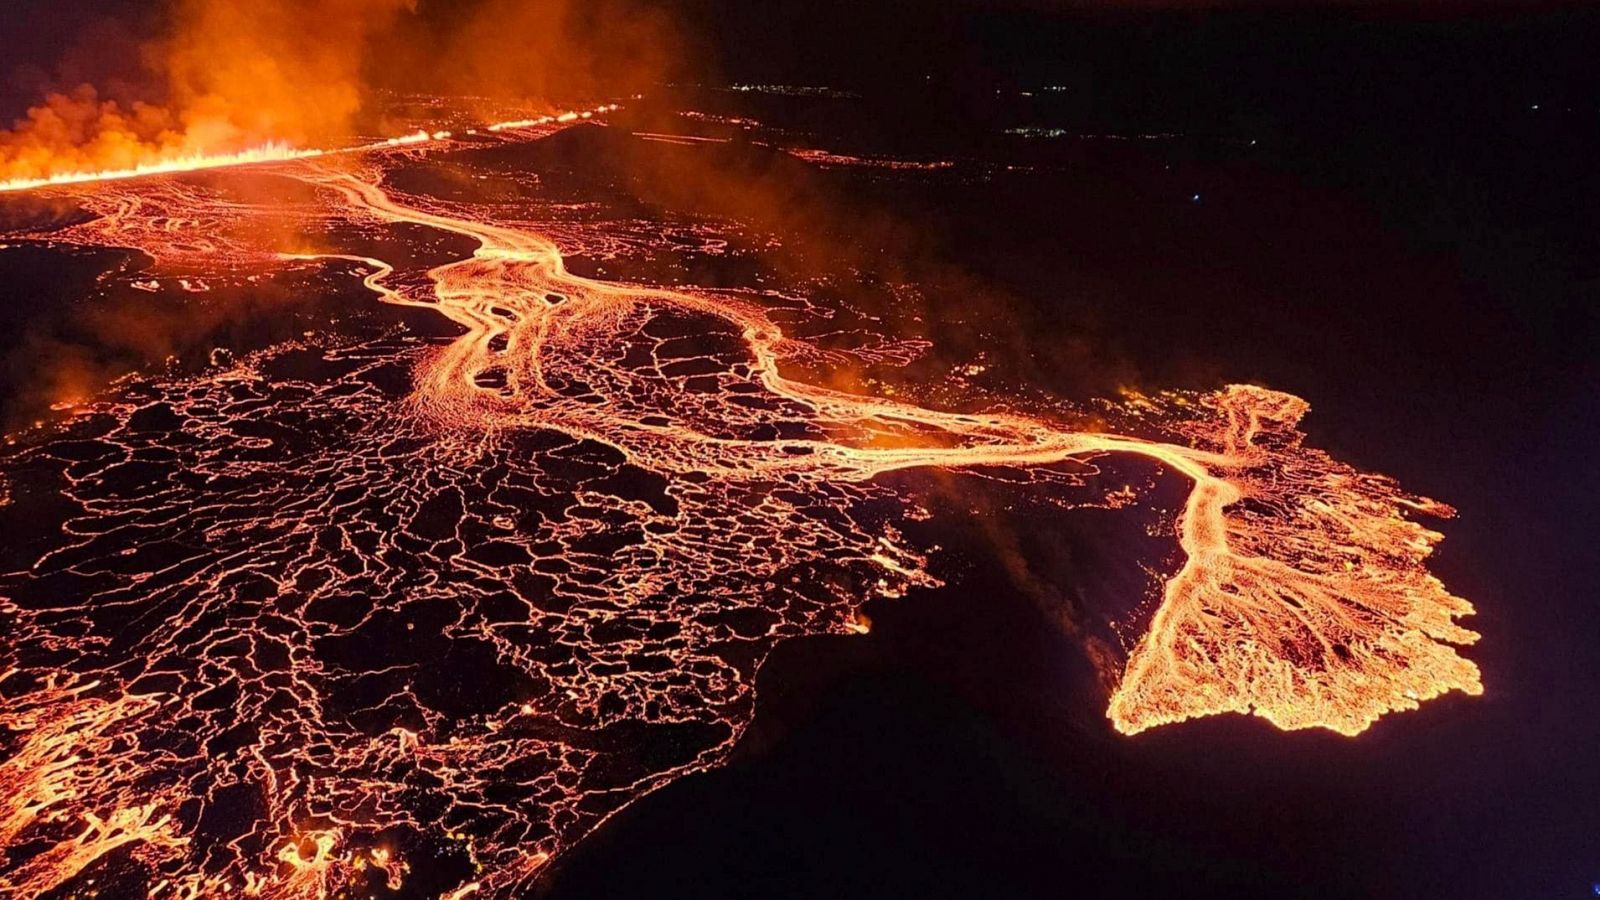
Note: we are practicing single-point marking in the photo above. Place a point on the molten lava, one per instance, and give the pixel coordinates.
(270, 152)
(336, 607)
(183, 163)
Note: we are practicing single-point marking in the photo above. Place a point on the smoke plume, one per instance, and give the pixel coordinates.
(229, 75)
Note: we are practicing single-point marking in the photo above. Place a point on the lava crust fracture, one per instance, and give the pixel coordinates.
(402, 615)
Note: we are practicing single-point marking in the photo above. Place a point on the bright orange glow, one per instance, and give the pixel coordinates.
(187, 163)
(270, 152)
(610, 501)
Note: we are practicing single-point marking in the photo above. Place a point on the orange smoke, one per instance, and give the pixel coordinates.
(235, 74)
(77, 131)
(273, 75)
(536, 50)
(243, 71)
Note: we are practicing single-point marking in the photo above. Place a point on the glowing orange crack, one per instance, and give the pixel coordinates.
(1378, 628)
(1303, 597)
(273, 152)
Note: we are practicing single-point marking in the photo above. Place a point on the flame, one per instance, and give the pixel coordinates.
(272, 152)
(195, 162)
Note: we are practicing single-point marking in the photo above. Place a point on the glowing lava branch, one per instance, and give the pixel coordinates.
(1310, 606)
(1303, 597)
(341, 606)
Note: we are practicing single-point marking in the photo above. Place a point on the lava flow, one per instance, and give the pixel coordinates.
(272, 152)
(408, 616)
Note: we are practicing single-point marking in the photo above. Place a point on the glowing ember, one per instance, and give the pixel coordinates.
(336, 606)
(825, 158)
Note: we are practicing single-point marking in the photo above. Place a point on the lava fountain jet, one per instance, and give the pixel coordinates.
(338, 607)
(274, 152)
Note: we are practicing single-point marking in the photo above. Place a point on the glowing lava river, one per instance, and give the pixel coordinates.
(394, 615)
